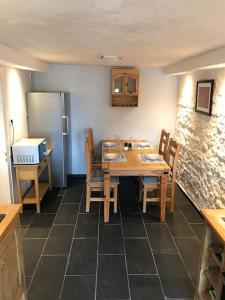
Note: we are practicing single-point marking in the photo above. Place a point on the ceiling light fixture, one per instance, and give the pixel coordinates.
(109, 58)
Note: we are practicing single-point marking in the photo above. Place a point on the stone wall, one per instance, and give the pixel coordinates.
(201, 166)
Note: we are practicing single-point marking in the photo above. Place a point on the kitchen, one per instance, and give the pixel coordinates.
(164, 101)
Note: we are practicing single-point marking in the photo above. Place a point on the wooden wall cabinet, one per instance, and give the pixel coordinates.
(125, 83)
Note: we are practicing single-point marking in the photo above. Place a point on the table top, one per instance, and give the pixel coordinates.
(133, 162)
(214, 217)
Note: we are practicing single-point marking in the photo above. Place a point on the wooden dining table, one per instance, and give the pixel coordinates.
(132, 166)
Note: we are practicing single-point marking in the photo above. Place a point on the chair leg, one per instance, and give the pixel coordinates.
(115, 195)
(144, 199)
(140, 191)
(172, 192)
(88, 195)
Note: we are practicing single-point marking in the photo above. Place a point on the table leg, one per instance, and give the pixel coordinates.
(19, 194)
(49, 173)
(163, 197)
(106, 196)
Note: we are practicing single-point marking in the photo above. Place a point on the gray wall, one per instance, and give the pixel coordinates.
(201, 168)
(89, 88)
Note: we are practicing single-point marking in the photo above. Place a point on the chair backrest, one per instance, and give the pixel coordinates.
(163, 144)
(91, 137)
(88, 155)
(172, 157)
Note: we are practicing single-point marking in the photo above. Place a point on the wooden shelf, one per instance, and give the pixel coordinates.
(213, 274)
(205, 296)
(216, 251)
(32, 172)
(30, 196)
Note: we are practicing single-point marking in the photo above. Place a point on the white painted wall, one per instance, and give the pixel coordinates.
(15, 84)
(89, 88)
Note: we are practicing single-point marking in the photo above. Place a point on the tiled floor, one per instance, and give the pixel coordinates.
(72, 255)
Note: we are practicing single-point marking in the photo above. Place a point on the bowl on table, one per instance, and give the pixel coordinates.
(110, 144)
(152, 157)
(143, 144)
(111, 156)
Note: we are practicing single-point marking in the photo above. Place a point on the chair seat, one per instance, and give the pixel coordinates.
(154, 179)
(97, 176)
(150, 179)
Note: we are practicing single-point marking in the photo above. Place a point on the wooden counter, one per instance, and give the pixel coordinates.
(214, 218)
(12, 277)
(211, 281)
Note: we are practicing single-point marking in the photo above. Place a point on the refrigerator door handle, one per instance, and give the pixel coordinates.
(65, 130)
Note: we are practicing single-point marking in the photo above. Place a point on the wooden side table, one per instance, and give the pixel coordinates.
(38, 189)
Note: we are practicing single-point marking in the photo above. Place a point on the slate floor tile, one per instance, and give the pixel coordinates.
(152, 214)
(87, 226)
(79, 288)
(27, 281)
(48, 279)
(178, 225)
(198, 230)
(32, 249)
(110, 239)
(115, 218)
(67, 213)
(40, 226)
(133, 226)
(160, 238)
(59, 241)
(51, 201)
(145, 287)
(72, 195)
(139, 256)
(189, 249)
(83, 257)
(112, 280)
(94, 206)
(175, 280)
(191, 214)
(26, 217)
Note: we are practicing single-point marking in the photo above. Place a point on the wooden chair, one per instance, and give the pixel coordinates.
(151, 184)
(96, 159)
(94, 181)
(163, 143)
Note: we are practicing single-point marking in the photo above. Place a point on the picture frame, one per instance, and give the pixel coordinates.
(204, 96)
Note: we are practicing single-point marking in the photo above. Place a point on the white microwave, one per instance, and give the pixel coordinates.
(29, 151)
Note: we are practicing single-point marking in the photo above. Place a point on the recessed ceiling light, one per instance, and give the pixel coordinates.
(109, 58)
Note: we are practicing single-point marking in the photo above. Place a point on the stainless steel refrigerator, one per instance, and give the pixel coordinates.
(48, 117)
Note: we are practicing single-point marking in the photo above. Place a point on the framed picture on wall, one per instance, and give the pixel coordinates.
(204, 96)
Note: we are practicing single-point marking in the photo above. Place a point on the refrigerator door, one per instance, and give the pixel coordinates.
(45, 111)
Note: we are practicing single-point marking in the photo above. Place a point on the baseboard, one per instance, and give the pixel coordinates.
(76, 175)
(188, 196)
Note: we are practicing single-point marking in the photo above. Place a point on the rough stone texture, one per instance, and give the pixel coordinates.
(201, 166)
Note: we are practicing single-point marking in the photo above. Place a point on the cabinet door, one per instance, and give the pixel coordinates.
(131, 84)
(118, 84)
(11, 274)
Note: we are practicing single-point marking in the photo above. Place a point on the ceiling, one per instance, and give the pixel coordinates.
(144, 32)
